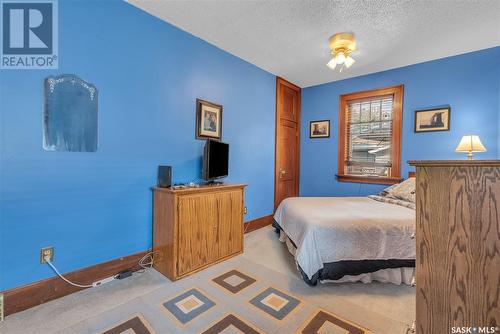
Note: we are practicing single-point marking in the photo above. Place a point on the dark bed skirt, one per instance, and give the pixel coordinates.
(339, 269)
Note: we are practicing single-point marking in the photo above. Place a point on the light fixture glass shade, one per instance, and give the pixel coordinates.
(332, 63)
(340, 58)
(470, 144)
(341, 45)
(349, 61)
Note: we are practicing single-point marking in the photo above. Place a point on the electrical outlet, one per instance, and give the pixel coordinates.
(245, 210)
(46, 251)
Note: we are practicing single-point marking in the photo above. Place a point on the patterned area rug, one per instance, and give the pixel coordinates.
(237, 296)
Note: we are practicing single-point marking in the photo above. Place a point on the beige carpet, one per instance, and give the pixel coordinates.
(258, 292)
(395, 302)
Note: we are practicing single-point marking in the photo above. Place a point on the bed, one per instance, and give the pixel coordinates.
(349, 239)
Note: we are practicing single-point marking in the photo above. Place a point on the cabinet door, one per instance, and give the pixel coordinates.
(230, 234)
(197, 232)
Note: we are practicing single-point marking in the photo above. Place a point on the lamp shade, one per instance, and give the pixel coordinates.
(470, 143)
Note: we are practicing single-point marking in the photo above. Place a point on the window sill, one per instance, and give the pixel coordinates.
(368, 179)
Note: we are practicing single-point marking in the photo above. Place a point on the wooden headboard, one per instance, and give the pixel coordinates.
(412, 174)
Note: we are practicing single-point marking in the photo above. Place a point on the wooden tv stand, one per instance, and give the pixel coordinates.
(196, 227)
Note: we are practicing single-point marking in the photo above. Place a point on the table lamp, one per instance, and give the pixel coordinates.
(470, 144)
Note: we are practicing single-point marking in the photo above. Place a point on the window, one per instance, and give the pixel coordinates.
(370, 136)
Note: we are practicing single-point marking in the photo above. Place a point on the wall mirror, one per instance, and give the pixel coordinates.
(70, 115)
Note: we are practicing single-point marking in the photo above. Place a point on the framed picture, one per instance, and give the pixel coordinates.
(432, 120)
(319, 129)
(208, 120)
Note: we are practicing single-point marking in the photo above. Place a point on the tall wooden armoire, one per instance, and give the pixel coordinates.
(458, 246)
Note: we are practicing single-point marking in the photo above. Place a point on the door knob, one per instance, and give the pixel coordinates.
(282, 173)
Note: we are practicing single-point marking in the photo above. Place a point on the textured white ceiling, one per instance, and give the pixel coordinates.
(290, 38)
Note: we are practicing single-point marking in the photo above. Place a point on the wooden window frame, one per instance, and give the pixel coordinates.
(397, 128)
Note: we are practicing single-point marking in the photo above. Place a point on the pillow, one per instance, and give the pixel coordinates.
(404, 190)
(388, 199)
(385, 192)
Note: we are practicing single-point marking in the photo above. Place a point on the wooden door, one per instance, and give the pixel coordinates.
(197, 243)
(230, 215)
(286, 175)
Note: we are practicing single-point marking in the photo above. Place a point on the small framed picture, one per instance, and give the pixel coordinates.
(430, 120)
(208, 120)
(319, 129)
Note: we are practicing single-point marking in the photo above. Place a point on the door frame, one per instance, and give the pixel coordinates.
(279, 81)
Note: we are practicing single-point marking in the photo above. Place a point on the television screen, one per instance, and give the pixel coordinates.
(216, 160)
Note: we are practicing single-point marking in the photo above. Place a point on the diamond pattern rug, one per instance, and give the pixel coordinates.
(237, 296)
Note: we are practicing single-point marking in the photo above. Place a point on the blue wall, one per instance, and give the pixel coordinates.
(469, 84)
(498, 101)
(93, 207)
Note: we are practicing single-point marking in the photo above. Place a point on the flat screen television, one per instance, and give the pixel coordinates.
(215, 160)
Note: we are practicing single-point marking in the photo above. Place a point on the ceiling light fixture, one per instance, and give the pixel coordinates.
(342, 45)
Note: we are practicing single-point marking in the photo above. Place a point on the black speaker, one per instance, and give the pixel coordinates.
(164, 176)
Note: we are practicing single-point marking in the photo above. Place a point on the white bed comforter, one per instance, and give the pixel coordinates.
(330, 229)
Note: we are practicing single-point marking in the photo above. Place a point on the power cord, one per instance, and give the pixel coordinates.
(47, 260)
(146, 262)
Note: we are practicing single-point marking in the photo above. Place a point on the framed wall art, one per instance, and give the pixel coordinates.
(319, 129)
(208, 120)
(430, 120)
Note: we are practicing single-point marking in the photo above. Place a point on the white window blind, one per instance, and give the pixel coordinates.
(369, 136)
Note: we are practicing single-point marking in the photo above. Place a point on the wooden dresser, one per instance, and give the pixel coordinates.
(196, 227)
(458, 245)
